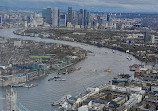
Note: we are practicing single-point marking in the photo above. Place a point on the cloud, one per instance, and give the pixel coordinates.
(147, 5)
(119, 3)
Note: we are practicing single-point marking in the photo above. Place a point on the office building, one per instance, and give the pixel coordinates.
(0, 19)
(28, 19)
(86, 17)
(69, 15)
(55, 17)
(147, 37)
(44, 13)
(48, 18)
(80, 17)
(108, 17)
(75, 18)
(62, 21)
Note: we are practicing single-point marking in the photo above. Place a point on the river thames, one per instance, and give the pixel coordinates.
(92, 74)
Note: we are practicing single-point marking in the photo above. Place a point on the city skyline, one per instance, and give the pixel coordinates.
(91, 5)
(78, 55)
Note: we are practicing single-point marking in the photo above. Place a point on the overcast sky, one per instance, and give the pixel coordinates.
(100, 5)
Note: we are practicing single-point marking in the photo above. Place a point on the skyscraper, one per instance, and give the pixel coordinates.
(49, 16)
(69, 15)
(0, 19)
(55, 17)
(62, 21)
(75, 18)
(80, 17)
(44, 14)
(108, 17)
(99, 20)
(28, 19)
(86, 17)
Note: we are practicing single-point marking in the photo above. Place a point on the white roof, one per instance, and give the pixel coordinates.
(83, 108)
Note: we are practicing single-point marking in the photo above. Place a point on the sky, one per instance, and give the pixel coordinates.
(91, 5)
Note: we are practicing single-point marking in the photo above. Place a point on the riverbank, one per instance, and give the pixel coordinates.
(110, 39)
(27, 60)
(36, 100)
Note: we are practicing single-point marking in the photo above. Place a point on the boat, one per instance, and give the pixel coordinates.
(86, 44)
(29, 85)
(78, 68)
(122, 75)
(18, 85)
(50, 79)
(107, 70)
(56, 77)
(60, 79)
(113, 51)
(56, 104)
(59, 73)
(64, 73)
(119, 54)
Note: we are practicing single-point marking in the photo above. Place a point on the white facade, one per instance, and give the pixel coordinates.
(126, 89)
(25, 24)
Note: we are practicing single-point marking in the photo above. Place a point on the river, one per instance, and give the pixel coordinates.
(41, 97)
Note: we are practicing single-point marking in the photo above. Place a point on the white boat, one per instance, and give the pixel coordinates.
(113, 51)
(60, 79)
(29, 85)
(18, 85)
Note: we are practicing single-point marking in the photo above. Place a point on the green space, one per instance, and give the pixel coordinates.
(46, 57)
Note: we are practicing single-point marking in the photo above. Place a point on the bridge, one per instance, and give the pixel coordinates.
(12, 103)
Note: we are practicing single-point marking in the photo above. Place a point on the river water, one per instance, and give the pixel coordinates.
(91, 74)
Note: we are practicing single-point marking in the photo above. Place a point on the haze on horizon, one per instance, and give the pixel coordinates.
(92, 5)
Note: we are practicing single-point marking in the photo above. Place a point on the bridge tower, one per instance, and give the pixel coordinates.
(11, 99)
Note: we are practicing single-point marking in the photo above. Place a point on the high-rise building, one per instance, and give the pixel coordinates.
(55, 17)
(81, 11)
(28, 19)
(147, 37)
(49, 16)
(44, 13)
(86, 18)
(0, 19)
(80, 17)
(69, 15)
(99, 20)
(75, 18)
(62, 21)
(108, 17)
